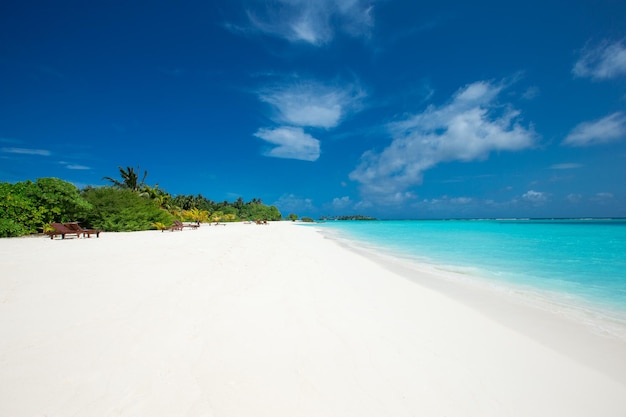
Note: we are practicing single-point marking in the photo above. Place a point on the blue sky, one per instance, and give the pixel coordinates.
(389, 108)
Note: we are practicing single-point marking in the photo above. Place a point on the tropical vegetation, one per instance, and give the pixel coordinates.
(25, 207)
(127, 204)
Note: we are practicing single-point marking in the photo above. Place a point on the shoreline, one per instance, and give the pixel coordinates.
(275, 321)
(607, 321)
(560, 330)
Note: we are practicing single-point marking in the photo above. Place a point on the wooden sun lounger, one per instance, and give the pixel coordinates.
(62, 230)
(178, 225)
(76, 227)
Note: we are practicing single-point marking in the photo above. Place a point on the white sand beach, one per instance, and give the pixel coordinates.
(250, 321)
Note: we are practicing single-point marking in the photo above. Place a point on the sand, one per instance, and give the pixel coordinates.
(277, 320)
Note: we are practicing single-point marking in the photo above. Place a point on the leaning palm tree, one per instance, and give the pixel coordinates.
(130, 179)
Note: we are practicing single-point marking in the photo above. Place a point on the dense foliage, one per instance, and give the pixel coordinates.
(26, 207)
(127, 205)
(251, 210)
(122, 210)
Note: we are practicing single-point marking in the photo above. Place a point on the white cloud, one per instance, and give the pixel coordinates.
(309, 103)
(291, 203)
(536, 197)
(291, 143)
(313, 22)
(342, 203)
(25, 151)
(605, 61)
(607, 129)
(468, 128)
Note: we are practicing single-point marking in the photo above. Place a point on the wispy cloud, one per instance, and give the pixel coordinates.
(313, 22)
(310, 103)
(74, 166)
(601, 62)
(290, 143)
(291, 203)
(27, 151)
(446, 200)
(531, 93)
(468, 128)
(596, 132)
(342, 203)
(603, 197)
(78, 167)
(574, 198)
(566, 166)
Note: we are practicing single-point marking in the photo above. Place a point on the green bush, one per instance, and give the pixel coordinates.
(9, 228)
(60, 199)
(121, 210)
(25, 207)
(258, 211)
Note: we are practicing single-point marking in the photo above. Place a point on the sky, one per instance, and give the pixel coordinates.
(385, 108)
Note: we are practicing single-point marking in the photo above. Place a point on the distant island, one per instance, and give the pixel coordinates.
(356, 217)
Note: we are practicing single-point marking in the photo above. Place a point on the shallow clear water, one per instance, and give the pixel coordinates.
(575, 262)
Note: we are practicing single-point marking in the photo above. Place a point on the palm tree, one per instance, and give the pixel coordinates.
(160, 197)
(196, 215)
(130, 179)
(185, 202)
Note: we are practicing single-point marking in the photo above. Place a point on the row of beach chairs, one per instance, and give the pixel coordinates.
(178, 225)
(68, 229)
(73, 228)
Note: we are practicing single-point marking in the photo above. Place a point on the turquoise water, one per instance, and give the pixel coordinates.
(580, 263)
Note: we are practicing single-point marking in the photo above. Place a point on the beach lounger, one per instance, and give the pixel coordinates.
(192, 225)
(61, 230)
(178, 225)
(76, 228)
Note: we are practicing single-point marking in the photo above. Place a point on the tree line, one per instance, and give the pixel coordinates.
(127, 204)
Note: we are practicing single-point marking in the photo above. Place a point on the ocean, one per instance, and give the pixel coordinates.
(574, 267)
